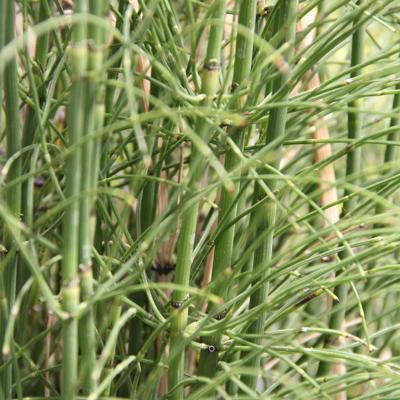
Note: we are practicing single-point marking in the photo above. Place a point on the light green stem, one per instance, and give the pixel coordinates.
(70, 279)
(90, 166)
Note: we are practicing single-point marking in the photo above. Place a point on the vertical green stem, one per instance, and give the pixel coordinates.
(70, 279)
(90, 162)
(228, 203)
(337, 315)
(264, 216)
(210, 83)
(12, 113)
(13, 194)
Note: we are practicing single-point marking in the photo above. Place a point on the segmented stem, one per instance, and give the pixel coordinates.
(90, 166)
(70, 279)
(210, 83)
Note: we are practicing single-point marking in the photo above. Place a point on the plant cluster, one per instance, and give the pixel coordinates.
(198, 199)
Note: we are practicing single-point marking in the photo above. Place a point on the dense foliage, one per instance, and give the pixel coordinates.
(199, 199)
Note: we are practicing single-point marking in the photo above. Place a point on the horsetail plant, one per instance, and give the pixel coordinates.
(171, 179)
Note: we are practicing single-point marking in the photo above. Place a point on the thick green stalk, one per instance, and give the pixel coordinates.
(13, 194)
(70, 279)
(210, 83)
(90, 166)
(264, 216)
(228, 203)
(337, 315)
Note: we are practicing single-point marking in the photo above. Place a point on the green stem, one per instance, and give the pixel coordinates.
(90, 166)
(70, 280)
(337, 315)
(264, 216)
(210, 83)
(13, 194)
(228, 203)
(12, 112)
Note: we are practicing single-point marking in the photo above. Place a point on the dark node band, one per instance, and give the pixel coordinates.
(234, 86)
(211, 65)
(179, 304)
(163, 269)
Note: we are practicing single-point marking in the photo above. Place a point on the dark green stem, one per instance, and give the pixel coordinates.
(13, 194)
